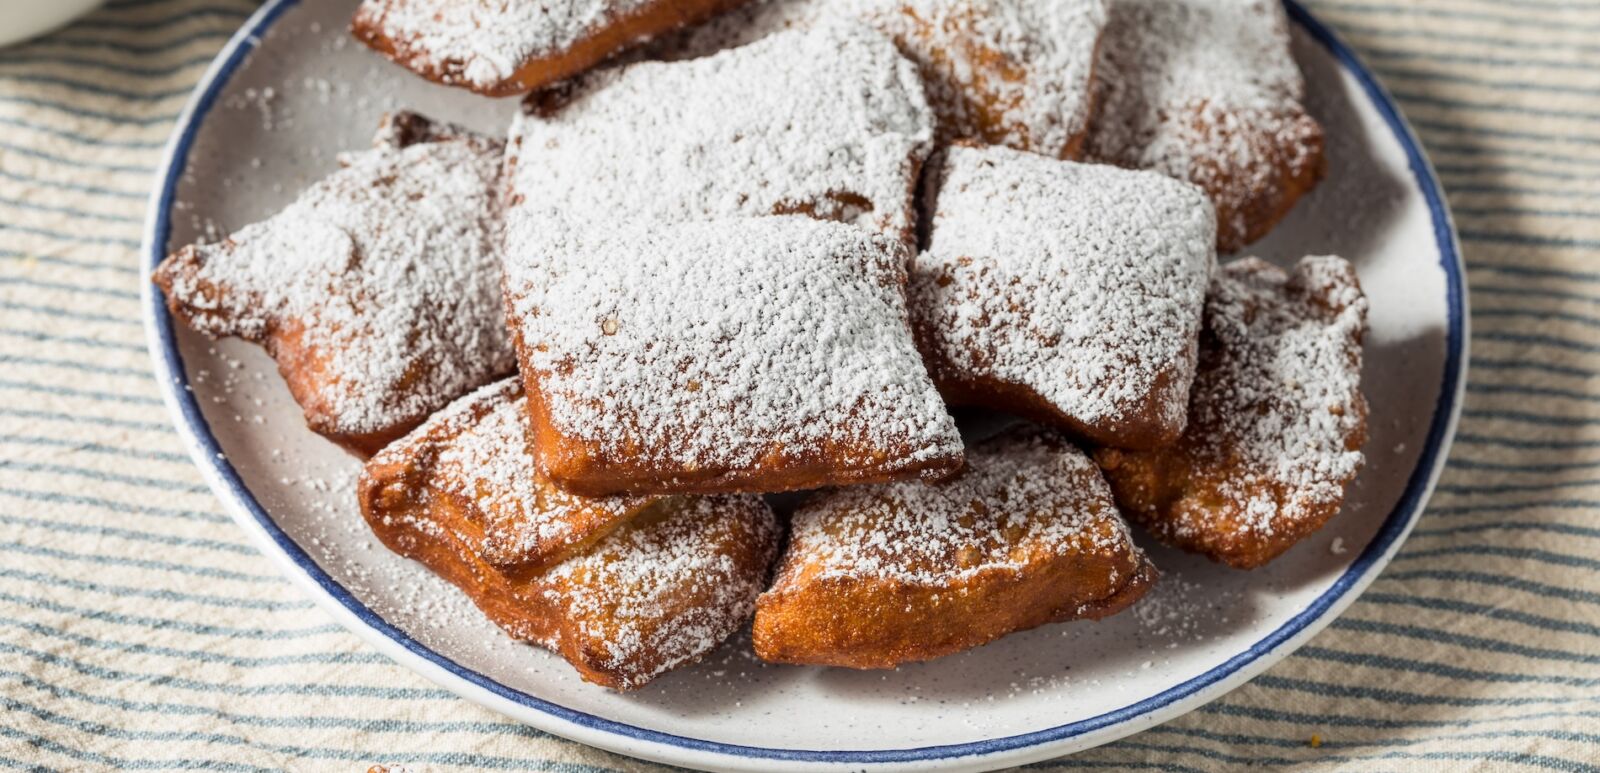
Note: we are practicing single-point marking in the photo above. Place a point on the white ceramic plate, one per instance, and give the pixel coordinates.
(291, 90)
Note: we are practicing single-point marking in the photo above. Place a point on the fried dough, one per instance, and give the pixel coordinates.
(1005, 72)
(624, 588)
(505, 47)
(1276, 422)
(831, 123)
(877, 576)
(376, 290)
(751, 354)
(475, 453)
(1207, 91)
(1070, 293)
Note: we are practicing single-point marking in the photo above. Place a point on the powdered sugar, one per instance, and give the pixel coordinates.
(1206, 91)
(746, 24)
(476, 451)
(740, 345)
(1279, 388)
(1013, 72)
(483, 43)
(380, 283)
(667, 588)
(624, 588)
(830, 123)
(1082, 284)
(1276, 420)
(1022, 496)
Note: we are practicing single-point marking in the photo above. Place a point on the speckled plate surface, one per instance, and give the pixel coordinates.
(290, 91)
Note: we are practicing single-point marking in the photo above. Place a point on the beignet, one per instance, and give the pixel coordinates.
(754, 354)
(475, 454)
(1276, 421)
(830, 123)
(504, 47)
(1207, 91)
(376, 290)
(624, 589)
(1004, 72)
(876, 576)
(1070, 293)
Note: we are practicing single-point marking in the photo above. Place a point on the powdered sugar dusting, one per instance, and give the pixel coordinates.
(1081, 283)
(483, 43)
(831, 123)
(382, 279)
(1012, 72)
(1206, 91)
(1281, 384)
(1277, 417)
(729, 344)
(668, 587)
(746, 24)
(476, 451)
(1022, 495)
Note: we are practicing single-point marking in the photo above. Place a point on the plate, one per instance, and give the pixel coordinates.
(291, 90)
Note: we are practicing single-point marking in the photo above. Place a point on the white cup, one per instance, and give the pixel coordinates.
(23, 19)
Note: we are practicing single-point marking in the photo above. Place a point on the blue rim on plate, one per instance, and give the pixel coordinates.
(229, 486)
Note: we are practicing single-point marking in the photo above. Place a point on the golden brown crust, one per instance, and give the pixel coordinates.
(619, 32)
(680, 376)
(666, 589)
(1064, 292)
(623, 589)
(363, 298)
(304, 366)
(990, 90)
(1003, 72)
(475, 453)
(587, 469)
(879, 576)
(1277, 419)
(1208, 92)
(1256, 188)
(1145, 425)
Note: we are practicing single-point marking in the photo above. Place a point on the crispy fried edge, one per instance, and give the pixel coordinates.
(621, 33)
(751, 540)
(1142, 430)
(527, 604)
(1147, 489)
(405, 476)
(300, 364)
(875, 623)
(1246, 214)
(985, 124)
(582, 468)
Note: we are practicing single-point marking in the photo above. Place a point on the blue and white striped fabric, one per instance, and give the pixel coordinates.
(138, 629)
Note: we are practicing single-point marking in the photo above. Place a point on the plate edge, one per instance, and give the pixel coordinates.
(301, 569)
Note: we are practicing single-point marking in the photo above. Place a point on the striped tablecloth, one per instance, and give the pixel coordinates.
(139, 629)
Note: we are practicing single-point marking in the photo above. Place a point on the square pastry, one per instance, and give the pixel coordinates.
(751, 354)
(624, 588)
(1070, 293)
(509, 47)
(1005, 72)
(830, 123)
(376, 290)
(1276, 421)
(1207, 91)
(471, 460)
(877, 576)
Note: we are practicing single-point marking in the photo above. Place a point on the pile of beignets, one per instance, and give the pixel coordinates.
(768, 248)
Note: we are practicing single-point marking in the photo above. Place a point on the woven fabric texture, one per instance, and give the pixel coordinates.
(140, 629)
